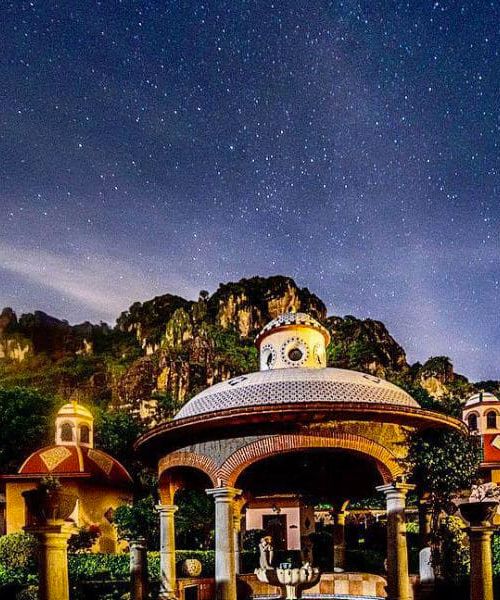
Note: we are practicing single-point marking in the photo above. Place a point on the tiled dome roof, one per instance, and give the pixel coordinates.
(290, 319)
(299, 385)
(69, 460)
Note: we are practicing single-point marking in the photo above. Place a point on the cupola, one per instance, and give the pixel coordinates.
(74, 426)
(292, 340)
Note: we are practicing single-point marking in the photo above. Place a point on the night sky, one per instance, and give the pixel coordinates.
(153, 147)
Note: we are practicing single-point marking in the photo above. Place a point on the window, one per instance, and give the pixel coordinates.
(67, 432)
(491, 420)
(472, 421)
(84, 434)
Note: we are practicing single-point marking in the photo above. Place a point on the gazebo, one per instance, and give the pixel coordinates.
(294, 426)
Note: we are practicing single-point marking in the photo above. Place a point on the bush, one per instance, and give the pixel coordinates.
(454, 557)
(17, 551)
(94, 566)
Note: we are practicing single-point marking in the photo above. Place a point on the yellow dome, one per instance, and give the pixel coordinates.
(73, 409)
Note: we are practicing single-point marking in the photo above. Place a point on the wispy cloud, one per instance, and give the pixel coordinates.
(104, 284)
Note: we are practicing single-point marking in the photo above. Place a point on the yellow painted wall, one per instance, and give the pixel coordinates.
(93, 502)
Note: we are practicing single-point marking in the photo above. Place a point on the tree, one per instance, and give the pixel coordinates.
(442, 463)
(194, 521)
(26, 419)
(137, 520)
(116, 433)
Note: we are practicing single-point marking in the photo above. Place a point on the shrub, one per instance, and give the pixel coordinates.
(454, 557)
(94, 566)
(28, 593)
(17, 551)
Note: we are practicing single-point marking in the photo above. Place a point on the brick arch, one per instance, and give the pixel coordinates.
(230, 470)
(188, 459)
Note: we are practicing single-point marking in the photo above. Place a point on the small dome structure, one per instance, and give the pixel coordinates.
(74, 425)
(481, 398)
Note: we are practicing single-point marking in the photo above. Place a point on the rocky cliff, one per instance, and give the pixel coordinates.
(163, 351)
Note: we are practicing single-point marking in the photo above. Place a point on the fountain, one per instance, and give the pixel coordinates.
(293, 581)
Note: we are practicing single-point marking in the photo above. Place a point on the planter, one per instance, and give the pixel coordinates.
(479, 513)
(46, 505)
(191, 567)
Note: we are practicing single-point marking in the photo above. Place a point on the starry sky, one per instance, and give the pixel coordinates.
(152, 147)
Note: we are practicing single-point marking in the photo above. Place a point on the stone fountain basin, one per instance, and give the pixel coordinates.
(293, 580)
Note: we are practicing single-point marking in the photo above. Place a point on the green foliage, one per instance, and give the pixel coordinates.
(23, 411)
(239, 355)
(251, 539)
(139, 520)
(28, 593)
(17, 550)
(95, 566)
(448, 405)
(116, 433)
(495, 547)
(84, 539)
(452, 556)
(443, 462)
(194, 520)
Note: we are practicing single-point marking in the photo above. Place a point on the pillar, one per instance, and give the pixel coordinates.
(138, 570)
(237, 541)
(167, 552)
(339, 539)
(481, 568)
(424, 521)
(398, 581)
(225, 574)
(53, 558)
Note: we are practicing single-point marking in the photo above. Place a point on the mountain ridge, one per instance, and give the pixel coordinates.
(164, 350)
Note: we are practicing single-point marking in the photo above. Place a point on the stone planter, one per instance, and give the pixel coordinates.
(479, 513)
(45, 506)
(191, 567)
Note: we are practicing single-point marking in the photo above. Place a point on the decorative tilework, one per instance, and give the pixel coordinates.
(54, 457)
(296, 385)
(103, 461)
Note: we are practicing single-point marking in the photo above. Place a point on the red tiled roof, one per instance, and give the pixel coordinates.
(65, 460)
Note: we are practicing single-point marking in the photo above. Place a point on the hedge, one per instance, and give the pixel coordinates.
(94, 566)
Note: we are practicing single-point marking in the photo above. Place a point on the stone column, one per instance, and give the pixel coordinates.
(138, 569)
(237, 541)
(53, 559)
(225, 575)
(398, 581)
(481, 567)
(167, 552)
(339, 539)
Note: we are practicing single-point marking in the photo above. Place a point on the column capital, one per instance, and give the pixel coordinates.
(64, 529)
(223, 494)
(396, 489)
(480, 530)
(167, 508)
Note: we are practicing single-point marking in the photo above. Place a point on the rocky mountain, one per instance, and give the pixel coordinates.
(164, 350)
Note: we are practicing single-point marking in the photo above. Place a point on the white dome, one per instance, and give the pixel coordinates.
(300, 385)
(480, 398)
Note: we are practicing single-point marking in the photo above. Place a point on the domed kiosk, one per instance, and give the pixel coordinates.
(294, 429)
(99, 481)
